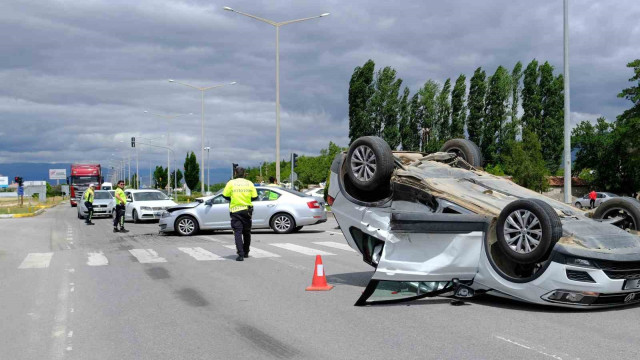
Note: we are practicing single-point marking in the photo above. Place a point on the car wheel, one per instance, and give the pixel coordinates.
(186, 225)
(283, 223)
(298, 228)
(464, 149)
(80, 216)
(369, 163)
(578, 205)
(526, 230)
(135, 217)
(626, 213)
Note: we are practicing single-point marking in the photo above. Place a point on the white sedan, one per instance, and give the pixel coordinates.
(146, 205)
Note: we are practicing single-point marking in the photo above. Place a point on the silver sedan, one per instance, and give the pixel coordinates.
(584, 202)
(280, 209)
(103, 205)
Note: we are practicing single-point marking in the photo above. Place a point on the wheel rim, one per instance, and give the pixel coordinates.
(363, 163)
(522, 231)
(282, 223)
(186, 226)
(625, 221)
(459, 153)
(579, 206)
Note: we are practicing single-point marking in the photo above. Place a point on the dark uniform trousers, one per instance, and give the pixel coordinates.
(89, 211)
(241, 225)
(119, 219)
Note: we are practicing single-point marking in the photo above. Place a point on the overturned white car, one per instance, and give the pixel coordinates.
(436, 224)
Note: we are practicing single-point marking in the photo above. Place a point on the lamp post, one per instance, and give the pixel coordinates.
(208, 169)
(277, 25)
(167, 117)
(202, 90)
(567, 110)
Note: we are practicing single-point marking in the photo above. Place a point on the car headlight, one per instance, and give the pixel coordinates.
(165, 214)
(579, 262)
(145, 208)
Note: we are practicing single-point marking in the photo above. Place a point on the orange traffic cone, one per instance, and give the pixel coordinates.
(319, 282)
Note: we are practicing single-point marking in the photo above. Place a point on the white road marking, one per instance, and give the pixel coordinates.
(147, 256)
(36, 261)
(72, 289)
(301, 249)
(336, 245)
(97, 259)
(200, 254)
(256, 253)
(70, 334)
(539, 349)
(211, 238)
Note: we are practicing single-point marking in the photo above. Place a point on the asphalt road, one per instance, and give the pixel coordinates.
(70, 291)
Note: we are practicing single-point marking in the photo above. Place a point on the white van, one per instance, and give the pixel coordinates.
(106, 186)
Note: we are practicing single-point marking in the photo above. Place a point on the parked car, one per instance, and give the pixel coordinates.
(437, 224)
(280, 209)
(317, 193)
(103, 205)
(146, 204)
(584, 202)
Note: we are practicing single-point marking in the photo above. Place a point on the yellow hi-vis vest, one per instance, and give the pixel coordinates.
(120, 192)
(240, 191)
(88, 195)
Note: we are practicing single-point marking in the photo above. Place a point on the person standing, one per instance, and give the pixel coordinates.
(273, 182)
(592, 198)
(87, 197)
(121, 203)
(240, 192)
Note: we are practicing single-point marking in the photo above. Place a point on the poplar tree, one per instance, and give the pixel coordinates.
(416, 115)
(458, 110)
(405, 121)
(531, 98)
(360, 90)
(428, 95)
(383, 106)
(477, 90)
(443, 114)
(496, 112)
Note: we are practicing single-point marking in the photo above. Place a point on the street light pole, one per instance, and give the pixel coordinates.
(202, 90)
(208, 169)
(567, 110)
(277, 25)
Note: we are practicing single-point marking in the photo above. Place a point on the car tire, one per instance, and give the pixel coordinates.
(186, 225)
(544, 228)
(283, 223)
(369, 163)
(465, 149)
(80, 216)
(134, 215)
(298, 228)
(578, 205)
(628, 208)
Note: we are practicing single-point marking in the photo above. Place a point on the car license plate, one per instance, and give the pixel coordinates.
(631, 284)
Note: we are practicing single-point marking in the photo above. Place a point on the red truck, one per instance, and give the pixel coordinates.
(81, 176)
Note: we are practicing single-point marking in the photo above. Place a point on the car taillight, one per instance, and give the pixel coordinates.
(330, 200)
(313, 205)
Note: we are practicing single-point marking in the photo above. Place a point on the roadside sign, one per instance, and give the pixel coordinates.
(4, 181)
(57, 174)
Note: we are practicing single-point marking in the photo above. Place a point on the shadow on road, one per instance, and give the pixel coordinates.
(360, 279)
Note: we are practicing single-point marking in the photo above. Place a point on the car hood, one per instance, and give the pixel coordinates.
(183, 206)
(103, 201)
(591, 238)
(155, 203)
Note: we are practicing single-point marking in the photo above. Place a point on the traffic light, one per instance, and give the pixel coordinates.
(133, 141)
(18, 180)
(234, 168)
(294, 160)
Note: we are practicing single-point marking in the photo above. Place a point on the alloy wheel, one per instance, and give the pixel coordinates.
(522, 231)
(186, 226)
(363, 163)
(282, 223)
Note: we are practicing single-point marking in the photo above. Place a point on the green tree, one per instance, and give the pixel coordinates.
(360, 91)
(406, 136)
(175, 177)
(525, 163)
(458, 110)
(383, 106)
(477, 92)
(134, 180)
(516, 77)
(626, 134)
(632, 94)
(416, 117)
(553, 123)
(428, 96)
(531, 105)
(160, 177)
(496, 111)
(191, 171)
(443, 114)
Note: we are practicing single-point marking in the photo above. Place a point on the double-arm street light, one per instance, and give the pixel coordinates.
(277, 25)
(202, 90)
(167, 117)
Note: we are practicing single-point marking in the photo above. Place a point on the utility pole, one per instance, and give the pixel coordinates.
(567, 110)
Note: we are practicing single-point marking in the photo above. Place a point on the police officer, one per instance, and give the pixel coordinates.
(240, 192)
(88, 203)
(121, 203)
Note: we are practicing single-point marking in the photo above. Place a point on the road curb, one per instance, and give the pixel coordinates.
(36, 213)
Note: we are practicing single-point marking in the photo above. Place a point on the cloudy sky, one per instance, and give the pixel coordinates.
(77, 76)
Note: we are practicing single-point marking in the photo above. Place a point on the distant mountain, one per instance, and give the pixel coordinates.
(40, 171)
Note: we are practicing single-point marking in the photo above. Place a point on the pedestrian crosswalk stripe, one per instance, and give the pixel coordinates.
(200, 254)
(147, 256)
(301, 249)
(36, 261)
(97, 259)
(336, 245)
(256, 253)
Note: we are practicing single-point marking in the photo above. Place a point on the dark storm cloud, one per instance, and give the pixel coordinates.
(78, 75)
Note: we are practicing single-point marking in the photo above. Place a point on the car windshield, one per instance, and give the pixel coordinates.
(102, 195)
(294, 192)
(149, 196)
(611, 195)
